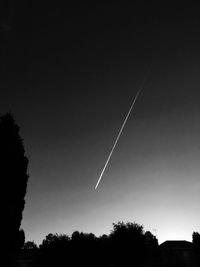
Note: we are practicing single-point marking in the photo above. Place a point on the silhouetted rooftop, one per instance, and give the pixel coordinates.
(177, 244)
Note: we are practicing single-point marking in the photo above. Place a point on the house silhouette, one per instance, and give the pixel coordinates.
(177, 253)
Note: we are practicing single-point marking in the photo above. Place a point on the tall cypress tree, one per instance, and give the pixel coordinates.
(13, 178)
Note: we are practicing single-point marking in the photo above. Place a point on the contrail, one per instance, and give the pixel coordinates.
(123, 125)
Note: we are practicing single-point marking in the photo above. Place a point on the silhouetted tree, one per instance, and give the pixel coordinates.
(127, 244)
(21, 239)
(104, 248)
(196, 244)
(84, 249)
(30, 245)
(151, 249)
(14, 179)
(61, 250)
(55, 250)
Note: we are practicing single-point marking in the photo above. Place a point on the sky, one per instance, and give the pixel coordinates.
(69, 75)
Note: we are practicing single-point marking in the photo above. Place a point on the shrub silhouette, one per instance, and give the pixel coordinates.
(14, 179)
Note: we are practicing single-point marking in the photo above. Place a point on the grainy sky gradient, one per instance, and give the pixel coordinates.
(69, 75)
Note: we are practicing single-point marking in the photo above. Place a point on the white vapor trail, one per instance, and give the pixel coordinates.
(123, 125)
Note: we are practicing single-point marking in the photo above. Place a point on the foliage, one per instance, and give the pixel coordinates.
(196, 244)
(30, 245)
(196, 239)
(21, 238)
(52, 241)
(128, 243)
(14, 179)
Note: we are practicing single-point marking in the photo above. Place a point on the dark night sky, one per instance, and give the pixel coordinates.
(69, 75)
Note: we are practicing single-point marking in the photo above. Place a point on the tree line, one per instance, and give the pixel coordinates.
(127, 242)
